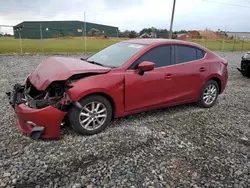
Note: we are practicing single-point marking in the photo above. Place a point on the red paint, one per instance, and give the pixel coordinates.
(61, 68)
(49, 118)
(130, 92)
(146, 66)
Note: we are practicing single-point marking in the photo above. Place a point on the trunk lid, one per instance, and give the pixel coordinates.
(61, 68)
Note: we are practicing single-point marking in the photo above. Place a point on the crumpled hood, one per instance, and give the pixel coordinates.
(61, 68)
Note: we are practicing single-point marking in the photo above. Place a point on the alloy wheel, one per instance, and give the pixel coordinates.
(93, 115)
(210, 94)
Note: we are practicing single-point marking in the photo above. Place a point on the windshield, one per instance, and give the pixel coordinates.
(117, 54)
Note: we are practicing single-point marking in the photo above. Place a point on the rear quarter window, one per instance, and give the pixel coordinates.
(200, 53)
(184, 53)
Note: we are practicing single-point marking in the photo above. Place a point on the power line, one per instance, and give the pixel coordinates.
(223, 3)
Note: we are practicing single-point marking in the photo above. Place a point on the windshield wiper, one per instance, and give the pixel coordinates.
(93, 62)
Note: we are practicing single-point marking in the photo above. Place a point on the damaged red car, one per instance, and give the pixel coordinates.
(125, 78)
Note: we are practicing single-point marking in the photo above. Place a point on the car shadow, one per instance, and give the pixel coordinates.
(67, 129)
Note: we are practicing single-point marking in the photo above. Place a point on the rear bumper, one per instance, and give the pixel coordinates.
(224, 80)
(49, 118)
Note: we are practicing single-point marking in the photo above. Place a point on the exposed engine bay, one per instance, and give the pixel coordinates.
(55, 94)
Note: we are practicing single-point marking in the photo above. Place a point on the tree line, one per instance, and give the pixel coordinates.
(149, 32)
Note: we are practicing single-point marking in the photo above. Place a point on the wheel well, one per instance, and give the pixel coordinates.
(109, 99)
(218, 82)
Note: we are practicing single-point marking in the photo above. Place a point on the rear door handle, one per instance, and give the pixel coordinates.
(168, 76)
(202, 69)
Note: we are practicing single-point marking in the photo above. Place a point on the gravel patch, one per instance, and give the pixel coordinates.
(182, 146)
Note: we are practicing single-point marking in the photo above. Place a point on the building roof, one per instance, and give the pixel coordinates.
(68, 21)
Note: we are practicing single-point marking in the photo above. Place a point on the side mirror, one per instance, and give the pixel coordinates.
(145, 66)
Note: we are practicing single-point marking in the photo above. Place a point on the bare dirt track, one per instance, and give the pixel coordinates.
(182, 146)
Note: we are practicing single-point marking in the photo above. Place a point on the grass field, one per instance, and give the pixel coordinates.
(11, 45)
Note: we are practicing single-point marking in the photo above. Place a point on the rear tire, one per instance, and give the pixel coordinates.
(93, 117)
(209, 94)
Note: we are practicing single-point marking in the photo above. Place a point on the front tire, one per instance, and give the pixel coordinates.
(209, 94)
(93, 117)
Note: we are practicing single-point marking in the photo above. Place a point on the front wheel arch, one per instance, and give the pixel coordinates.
(74, 115)
(108, 97)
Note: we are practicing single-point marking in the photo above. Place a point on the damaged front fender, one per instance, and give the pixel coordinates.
(40, 113)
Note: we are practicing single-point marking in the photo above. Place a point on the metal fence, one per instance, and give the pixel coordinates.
(76, 40)
(222, 43)
(40, 39)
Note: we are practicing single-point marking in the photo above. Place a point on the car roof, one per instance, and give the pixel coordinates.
(162, 41)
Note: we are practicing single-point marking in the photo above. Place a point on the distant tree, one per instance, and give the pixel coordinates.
(181, 31)
(174, 35)
(126, 33)
(162, 33)
(146, 30)
(7, 35)
(132, 34)
(121, 34)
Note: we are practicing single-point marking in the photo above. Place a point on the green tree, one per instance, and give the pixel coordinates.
(132, 34)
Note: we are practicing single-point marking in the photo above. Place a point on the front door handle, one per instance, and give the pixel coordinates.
(168, 76)
(202, 69)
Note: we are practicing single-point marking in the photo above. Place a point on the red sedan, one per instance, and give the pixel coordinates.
(125, 78)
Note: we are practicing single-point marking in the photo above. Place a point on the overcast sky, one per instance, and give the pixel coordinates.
(131, 14)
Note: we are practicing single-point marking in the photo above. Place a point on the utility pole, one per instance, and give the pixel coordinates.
(83, 37)
(117, 34)
(41, 35)
(20, 39)
(172, 20)
(224, 36)
(85, 30)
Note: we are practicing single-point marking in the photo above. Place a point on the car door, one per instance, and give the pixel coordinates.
(188, 72)
(152, 88)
